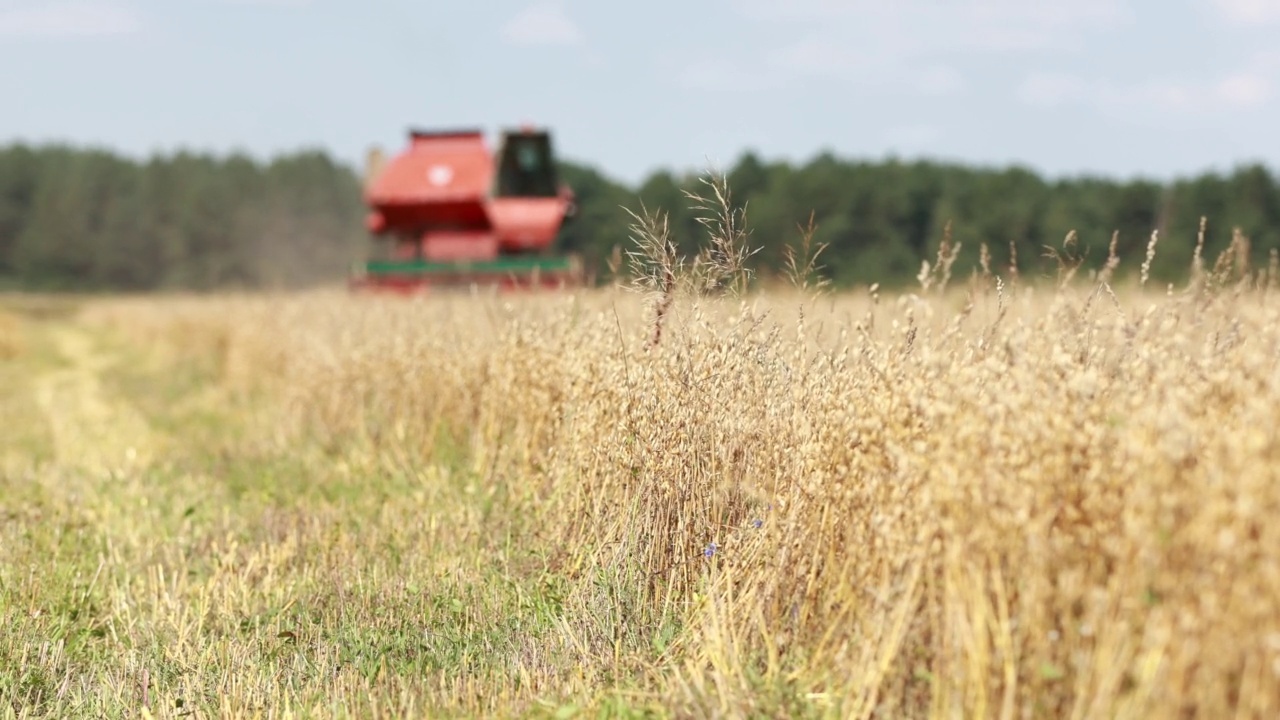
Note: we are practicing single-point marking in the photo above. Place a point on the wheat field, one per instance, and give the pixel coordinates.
(985, 496)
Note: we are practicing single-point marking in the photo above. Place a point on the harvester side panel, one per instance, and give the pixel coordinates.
(525, 224)
(457, 245)
(441, 179)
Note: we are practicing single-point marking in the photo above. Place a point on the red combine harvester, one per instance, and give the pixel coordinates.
(456, 215)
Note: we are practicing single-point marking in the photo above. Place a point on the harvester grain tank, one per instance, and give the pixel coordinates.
(447, 211)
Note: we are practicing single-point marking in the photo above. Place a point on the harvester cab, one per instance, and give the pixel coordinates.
(526, 166)
(446, 211)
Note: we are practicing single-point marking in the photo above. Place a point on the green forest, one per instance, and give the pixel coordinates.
(78, 219)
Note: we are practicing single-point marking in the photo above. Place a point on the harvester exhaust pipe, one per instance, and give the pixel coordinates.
(374, 161)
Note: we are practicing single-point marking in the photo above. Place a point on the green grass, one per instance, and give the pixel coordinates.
(233, 573)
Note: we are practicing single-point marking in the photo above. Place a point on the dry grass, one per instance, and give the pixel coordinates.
(11, 334)
(984, 499)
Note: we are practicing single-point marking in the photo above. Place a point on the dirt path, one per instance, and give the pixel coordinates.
(90, 430)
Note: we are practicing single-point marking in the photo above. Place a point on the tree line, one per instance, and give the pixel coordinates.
(75, 218)
(880, 220)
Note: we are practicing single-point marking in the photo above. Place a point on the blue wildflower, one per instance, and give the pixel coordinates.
(710, 550)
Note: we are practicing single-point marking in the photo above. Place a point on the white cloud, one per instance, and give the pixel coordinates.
(1162, 94)
(719, 75)
(920, 47)
(1054, 12)
(272, 3)
(1248, 12)
(781, 67)
(543, 23)
(862, 63)
(68, 19)
(816, 55)
(1244, 90)
(939, 81)
(917, 46)
(1240, 91)
(1053, 89)
(914, 27)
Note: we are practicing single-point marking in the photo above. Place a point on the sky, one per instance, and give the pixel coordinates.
(1118, 88)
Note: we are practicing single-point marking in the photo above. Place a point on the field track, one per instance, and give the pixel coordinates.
(91, 432)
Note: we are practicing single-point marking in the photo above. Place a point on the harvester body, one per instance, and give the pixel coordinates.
(453, 213)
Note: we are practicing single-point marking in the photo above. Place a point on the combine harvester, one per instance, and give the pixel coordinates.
(447, 213)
